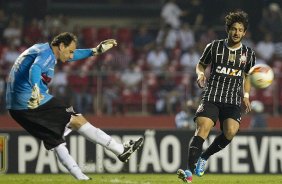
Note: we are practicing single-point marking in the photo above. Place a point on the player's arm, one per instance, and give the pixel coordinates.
(101, 48)
(34, 79)
(247, 89)
(247, 85)
(200, 68)
(205, 60)
(247, 81)
(200, 71)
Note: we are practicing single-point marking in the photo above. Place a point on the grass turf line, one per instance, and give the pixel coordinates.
(139, 179)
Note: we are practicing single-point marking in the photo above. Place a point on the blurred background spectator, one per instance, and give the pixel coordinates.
(265, 48)
(258, 119)
(194, 13)
(271, 21)
(184, 118)
(143, 39)
(171, 14)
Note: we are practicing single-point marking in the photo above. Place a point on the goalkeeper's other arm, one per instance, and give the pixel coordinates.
(35, 98)
(104, 46)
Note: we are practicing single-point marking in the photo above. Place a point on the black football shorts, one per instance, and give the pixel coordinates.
(47, 122)
(217, 110)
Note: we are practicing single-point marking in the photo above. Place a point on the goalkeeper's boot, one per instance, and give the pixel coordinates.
(129, 148)
(79, 175)
(185, 176)
(200, 167)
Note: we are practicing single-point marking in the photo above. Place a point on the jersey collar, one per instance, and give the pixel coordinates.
(225, 43)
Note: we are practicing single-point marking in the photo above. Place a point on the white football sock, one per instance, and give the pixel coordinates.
(66, 159)
(96, 135)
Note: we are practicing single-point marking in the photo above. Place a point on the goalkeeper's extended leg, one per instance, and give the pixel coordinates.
(66, 159)
(95, 135)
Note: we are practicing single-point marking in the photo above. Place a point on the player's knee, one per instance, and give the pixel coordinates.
(77, 121)
(204, 126)
(230, 133)
(203, 130)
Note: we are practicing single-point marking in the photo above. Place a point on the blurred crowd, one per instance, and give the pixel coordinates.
(152, 71)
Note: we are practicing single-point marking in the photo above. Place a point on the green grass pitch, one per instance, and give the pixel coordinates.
(138, 179)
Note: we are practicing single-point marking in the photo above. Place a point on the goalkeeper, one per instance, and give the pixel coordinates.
(46, 117)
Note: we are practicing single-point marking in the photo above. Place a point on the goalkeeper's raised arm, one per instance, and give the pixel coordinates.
(101, 48)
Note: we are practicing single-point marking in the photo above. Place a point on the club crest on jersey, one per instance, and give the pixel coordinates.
(232, 57)
(243, 58)
(228, 71)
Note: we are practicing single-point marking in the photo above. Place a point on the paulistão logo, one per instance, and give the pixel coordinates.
(3, 153)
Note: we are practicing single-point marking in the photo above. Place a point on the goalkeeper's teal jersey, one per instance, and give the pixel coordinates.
(34, 66)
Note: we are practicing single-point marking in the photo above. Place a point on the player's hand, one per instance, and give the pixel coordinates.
(35, 98)
(104, 46)
(247, 104)
(201, 80)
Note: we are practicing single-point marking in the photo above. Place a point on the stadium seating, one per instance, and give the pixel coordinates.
(89, 36)
(104, 33)
(124, 35)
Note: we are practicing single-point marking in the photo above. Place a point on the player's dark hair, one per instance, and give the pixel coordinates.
(66, 38)
(237, 16)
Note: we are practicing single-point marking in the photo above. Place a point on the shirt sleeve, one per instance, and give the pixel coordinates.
(251, 62)
(36, 69)
(81, 54)
(206, 56)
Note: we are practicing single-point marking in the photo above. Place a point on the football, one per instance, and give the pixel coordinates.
(261, 76)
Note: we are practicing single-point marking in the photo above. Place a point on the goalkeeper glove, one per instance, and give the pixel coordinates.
(104, 46)
(35, 98)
